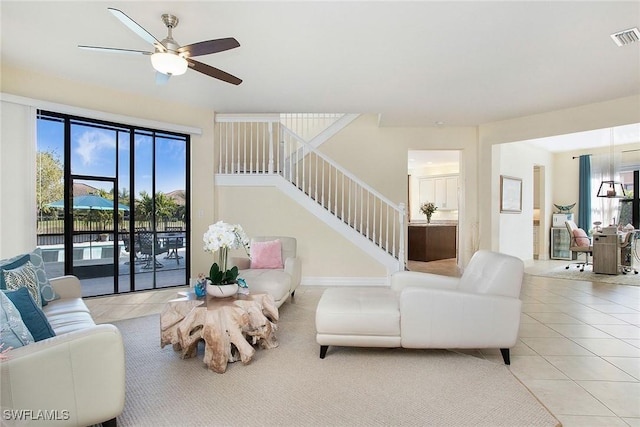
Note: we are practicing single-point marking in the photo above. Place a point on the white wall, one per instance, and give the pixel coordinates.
(376, 155)
(515, 230)
(17, 171)
(615, 112)
(266, 211)
(379, 157)
(20, 153)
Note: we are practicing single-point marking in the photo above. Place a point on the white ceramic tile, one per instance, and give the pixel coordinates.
(555, 347)
(534, 367)
(589, 299)
(592, 421)
(563, 397)
(588, 368)
(635, 343)
(539, 307)
(554, 299)
(632, 422)
(520, 349)
(578, 331)
(608, 347)
(536, 330)
(554, 318)
(623, 398)
(631, 365)
(612, 308)
(621, 331)
(600, 318)
(633, 319)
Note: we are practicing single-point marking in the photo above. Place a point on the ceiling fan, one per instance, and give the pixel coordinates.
(169, 58)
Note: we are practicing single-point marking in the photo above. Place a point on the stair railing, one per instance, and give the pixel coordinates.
(254, 146)
(308, 125)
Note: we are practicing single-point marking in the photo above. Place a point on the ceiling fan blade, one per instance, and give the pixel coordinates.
(213, 72)
(162, 78)
(137, 28)
(209, 46)
(115, 50)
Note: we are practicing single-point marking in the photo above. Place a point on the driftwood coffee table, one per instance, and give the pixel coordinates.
(230, 327)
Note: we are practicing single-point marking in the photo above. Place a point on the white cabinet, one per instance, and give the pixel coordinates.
(441, 190)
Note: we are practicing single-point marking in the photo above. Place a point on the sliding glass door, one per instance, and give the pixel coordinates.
(113, 204)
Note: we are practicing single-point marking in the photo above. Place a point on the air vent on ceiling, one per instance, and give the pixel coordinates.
(626, 37)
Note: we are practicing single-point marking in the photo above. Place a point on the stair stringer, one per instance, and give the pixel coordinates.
(330, 131)
(273, 180)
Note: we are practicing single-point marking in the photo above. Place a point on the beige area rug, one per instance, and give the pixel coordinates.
(292, 386)
(574, 273)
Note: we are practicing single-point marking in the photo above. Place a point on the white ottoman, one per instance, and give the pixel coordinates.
(358, 317)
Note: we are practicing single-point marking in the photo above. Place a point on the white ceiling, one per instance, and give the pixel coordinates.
(619, 135)
(415, 63)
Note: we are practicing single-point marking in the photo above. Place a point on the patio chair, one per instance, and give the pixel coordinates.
(150, 248)
(126, 239)
(173, 243)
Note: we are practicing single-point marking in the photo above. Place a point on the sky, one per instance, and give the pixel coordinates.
(93, 152)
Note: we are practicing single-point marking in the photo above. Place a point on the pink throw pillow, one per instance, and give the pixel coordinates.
(581, 237)
(266, 254)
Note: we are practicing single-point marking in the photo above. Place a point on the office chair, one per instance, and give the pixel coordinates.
(579, 243)
(626, 253)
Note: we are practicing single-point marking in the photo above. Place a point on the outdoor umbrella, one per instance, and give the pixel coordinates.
(90, 201)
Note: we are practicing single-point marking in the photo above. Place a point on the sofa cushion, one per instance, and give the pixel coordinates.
(13, 332)
(31, 314)
(266, 254)
(23, 277)
(69, 322)
(46, 290)
(64, 306)
(277, 283)
(358, 311)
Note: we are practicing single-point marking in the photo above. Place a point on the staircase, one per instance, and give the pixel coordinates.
(264, 150)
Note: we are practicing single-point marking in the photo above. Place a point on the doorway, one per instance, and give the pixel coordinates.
(433, 177)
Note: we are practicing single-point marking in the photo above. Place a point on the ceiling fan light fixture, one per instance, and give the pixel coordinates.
(169, 63)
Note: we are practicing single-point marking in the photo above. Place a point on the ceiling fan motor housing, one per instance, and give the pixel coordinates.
(168, 57)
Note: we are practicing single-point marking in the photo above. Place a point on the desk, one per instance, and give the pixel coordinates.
(606, 253)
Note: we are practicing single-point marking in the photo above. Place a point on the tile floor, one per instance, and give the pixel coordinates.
(578, 352)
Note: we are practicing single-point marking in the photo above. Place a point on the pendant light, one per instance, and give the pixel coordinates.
(611, 189)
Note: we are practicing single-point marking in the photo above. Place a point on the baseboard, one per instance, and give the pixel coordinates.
(344, 281)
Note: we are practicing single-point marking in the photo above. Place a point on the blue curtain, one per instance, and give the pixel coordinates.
(584, 195)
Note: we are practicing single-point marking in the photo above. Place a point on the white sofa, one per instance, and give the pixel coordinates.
(481, 309)
(80, 372)
(280, 283)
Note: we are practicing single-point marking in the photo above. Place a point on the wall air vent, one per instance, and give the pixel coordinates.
(626, 37)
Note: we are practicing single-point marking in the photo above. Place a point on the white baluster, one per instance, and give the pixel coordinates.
(270, 148)
(386, 226)
(401, 254)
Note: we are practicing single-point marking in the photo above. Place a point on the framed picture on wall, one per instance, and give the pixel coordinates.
(510, 194)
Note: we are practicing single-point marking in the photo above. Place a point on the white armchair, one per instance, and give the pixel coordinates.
(279, 282)
(481, 309)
